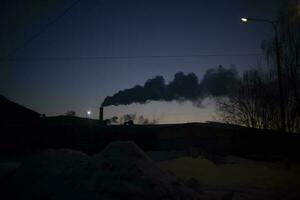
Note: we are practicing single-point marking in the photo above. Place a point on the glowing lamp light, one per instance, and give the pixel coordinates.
(88, 113)
(244, 19)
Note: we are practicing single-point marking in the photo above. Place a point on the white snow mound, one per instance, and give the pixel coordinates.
(121, 171)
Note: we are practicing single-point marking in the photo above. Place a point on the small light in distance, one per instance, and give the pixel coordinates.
(88, 113)
(244, 19)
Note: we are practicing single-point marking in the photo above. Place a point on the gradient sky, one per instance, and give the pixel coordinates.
(112, 28)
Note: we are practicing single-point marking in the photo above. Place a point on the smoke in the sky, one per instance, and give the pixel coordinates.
(184, 87)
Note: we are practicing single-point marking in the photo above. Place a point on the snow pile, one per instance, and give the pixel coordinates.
(121, 171)
(165, 155)
(7, 168)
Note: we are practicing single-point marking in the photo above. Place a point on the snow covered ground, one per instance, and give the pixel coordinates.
(243, 178)
(121, 171)
(124, 171)
(235, 171)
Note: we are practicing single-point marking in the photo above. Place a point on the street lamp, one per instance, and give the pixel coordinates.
(279, 70)
(88, 114)
(244, 19)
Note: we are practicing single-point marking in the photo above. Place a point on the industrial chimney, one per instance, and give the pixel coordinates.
(101, 114)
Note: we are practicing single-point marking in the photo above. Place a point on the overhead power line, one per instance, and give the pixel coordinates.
(74, 58)
(43, 29)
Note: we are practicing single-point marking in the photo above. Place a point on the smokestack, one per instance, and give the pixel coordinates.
(101, 114)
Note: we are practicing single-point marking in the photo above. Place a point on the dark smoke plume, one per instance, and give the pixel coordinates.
(184, 87)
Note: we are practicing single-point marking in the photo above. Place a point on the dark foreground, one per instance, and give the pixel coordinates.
(91, 137)
(123, 171)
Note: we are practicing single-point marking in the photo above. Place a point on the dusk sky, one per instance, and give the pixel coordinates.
(99, 47)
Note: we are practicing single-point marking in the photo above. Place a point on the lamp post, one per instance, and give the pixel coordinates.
(88, 114)
(279, 70)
